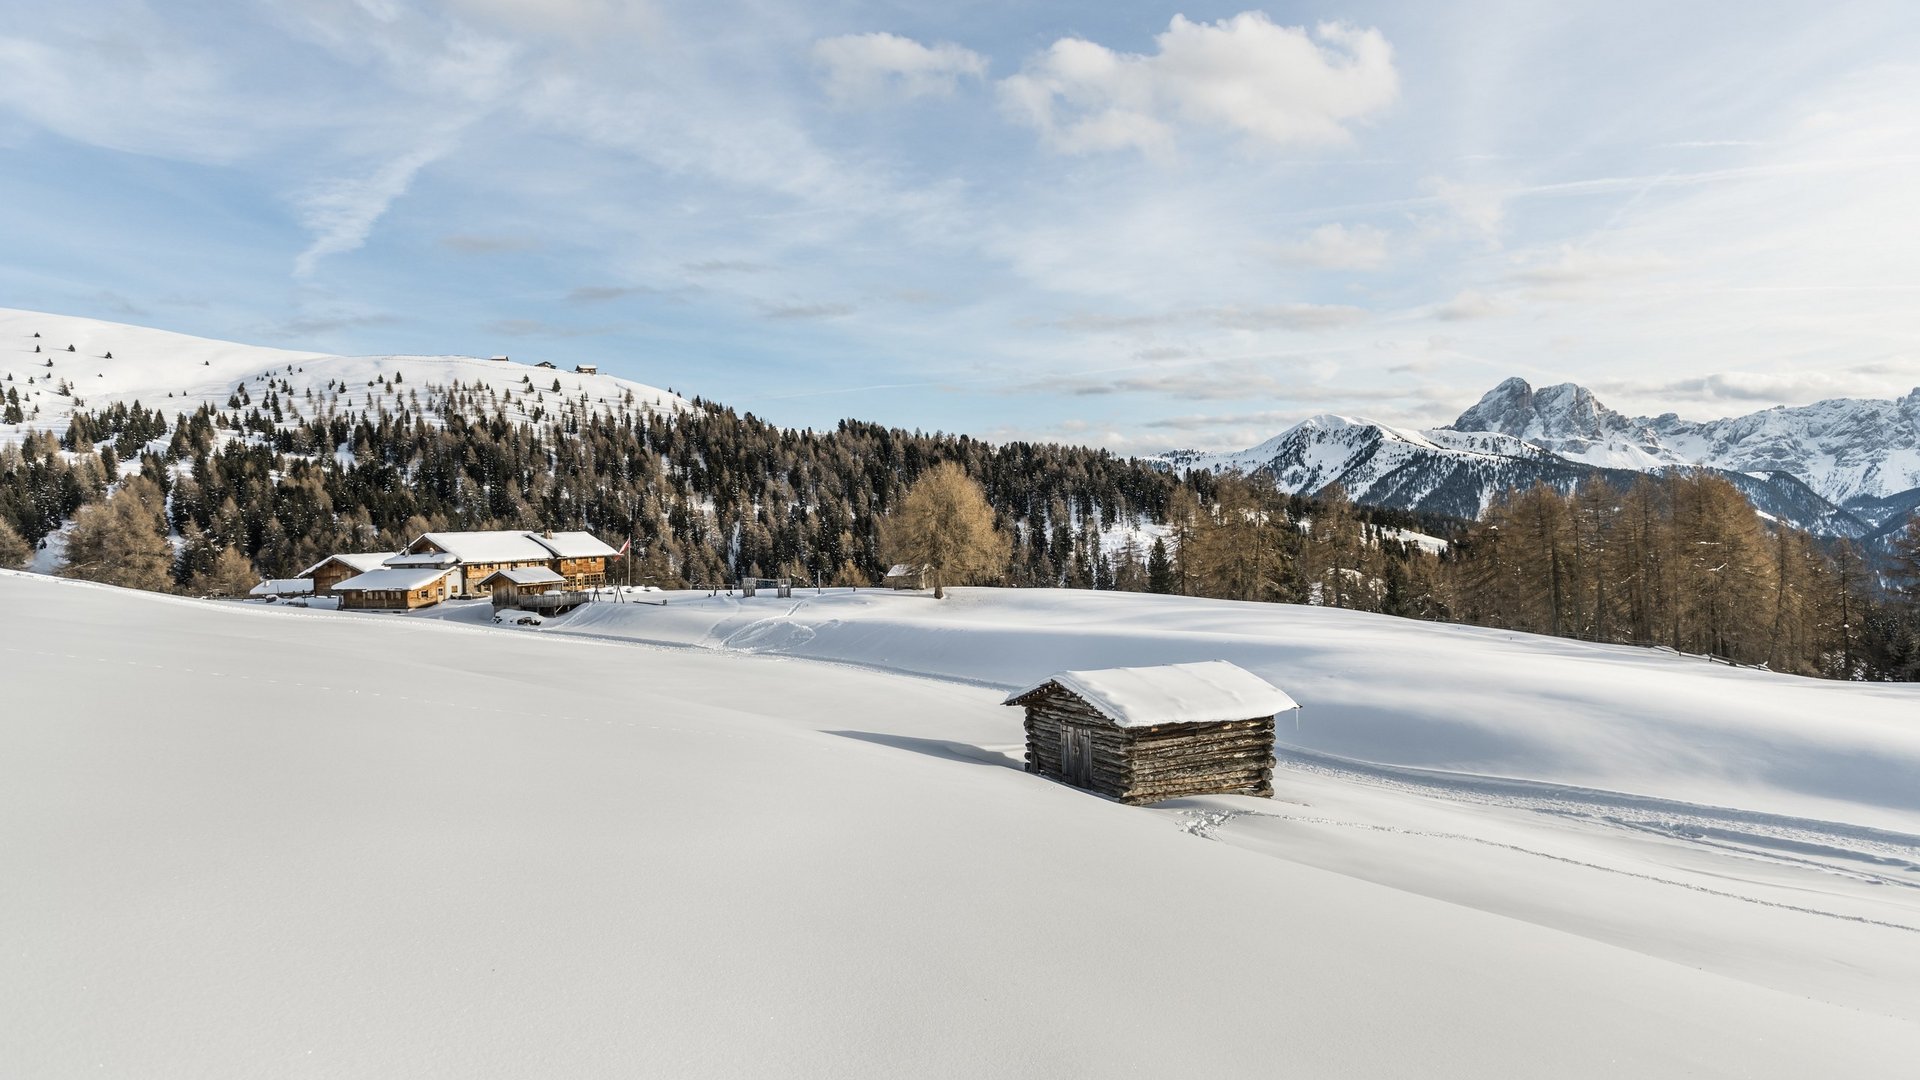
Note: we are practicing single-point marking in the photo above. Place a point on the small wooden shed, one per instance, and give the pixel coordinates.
(506, 587)
(907, 576)
(1145, 734)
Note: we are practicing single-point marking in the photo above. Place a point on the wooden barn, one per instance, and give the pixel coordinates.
(908, 576)
(508, 586)
(335, 569)
(1145, 734)
(579, 557)
(395, 588)
(474, 557)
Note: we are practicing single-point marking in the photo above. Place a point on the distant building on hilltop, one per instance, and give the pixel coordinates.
(1146, 734)
(586, 369)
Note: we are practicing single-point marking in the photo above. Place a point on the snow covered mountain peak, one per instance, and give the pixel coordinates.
(1842, 467)
(1567, 410)
(1846, 449)
(1566, 419)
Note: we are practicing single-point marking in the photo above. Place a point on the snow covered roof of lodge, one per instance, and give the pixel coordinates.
(527, 575)
(282, 587)
(423, 558)
(361, 561)
(1208, 692)
(392, 580)
(510, 545)
(497, 545)
(573, 545)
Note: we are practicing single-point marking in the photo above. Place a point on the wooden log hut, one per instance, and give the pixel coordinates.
(506, 587)
(1141, 735)
(335, 569)
(394, 588)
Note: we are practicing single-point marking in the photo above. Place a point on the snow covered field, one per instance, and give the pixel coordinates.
(249, 840)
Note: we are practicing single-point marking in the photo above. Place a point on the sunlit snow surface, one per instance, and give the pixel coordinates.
(177, 373)
(244, 840)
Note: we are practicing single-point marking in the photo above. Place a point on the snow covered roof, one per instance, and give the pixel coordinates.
(905, 570)
(1208, 692)
(527, 575)
(573, 545)
(282, 587)
(499, 545)
(422, 558)
(511, 545)
(399, 579)
(359, 561)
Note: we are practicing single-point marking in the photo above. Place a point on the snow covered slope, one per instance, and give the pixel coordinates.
(1380, 689)
(178, 373)
(244, 841)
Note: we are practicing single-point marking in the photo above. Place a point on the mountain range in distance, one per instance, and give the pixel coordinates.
(1844, 467)
(1841, 468)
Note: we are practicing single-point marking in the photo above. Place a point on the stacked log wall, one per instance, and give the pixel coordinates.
(1144, 765)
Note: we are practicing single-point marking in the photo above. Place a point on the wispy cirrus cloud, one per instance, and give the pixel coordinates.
(876, 68)
(806, 311)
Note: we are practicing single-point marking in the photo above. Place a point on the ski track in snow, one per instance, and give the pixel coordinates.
(1822, 846)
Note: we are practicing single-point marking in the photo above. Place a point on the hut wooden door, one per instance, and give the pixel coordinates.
(1076, 754)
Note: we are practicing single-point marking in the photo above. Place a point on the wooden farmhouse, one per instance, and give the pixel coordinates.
(335, 569)
(473, 557)
(1145, 734)
(392, 588)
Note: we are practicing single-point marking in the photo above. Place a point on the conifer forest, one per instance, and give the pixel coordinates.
(208, 501)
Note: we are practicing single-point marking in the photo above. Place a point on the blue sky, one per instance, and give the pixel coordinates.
(1137, 225)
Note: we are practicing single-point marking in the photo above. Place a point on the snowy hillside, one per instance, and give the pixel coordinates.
(177, 373)
(1380, 689)
(280, 842)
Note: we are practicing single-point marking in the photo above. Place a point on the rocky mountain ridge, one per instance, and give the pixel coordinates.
(1842, 467)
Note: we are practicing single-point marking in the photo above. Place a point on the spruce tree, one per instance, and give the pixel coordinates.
(1159, 567)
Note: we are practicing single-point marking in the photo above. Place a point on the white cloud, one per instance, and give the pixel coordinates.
(136, 86)
(1233, 317)
(1470, 304)
(341, 213)
(1243, 75)
(874, 68)
(1337, 247)
(1571, 265)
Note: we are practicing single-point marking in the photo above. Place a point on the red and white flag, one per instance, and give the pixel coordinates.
(625, 546)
